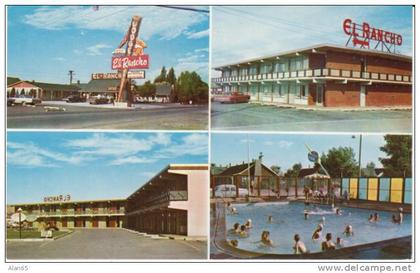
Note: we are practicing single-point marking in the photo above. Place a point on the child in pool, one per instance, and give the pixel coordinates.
(299, 247)
(317, 233)
(243, 233)
(248, 224)
(236, 229)
(265, 238)
(348, 230)
(339, 243)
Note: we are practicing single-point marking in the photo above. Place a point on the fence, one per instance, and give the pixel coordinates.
(238, 186)
(394, 190)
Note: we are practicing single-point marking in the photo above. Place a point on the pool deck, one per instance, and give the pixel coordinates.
(393, 249)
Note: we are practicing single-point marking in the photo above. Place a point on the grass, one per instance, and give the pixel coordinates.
(29, 234)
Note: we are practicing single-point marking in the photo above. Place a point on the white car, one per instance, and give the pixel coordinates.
(24, 100)
(227, 190)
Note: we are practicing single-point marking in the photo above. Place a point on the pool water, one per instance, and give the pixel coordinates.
(288, 219)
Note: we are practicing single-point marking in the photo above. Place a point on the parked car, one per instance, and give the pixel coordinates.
(24, 100)
(74, 98)
(99, 100)
(227, 190)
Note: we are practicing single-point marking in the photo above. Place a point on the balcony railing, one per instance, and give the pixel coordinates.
(319, 73)
(76, 213)
(161, 199)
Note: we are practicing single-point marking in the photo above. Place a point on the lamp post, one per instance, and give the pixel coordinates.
(20, 222)
(360, 154)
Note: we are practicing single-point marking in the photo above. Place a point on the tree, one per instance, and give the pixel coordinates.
(294, 171)
(190, 87)
(340, 162)
(398, 149)
(162, 76)
(276, 169)
(146, 90)
(171, 79)
(369, 171)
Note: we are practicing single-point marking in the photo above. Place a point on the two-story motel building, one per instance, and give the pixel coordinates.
(175, 201)
(323, 75)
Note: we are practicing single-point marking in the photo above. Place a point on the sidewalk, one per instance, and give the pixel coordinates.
(111, 106)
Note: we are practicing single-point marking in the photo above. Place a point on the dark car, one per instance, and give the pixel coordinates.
(99, 100)
(74, 98)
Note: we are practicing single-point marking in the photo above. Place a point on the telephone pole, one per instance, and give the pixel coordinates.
(71, 74)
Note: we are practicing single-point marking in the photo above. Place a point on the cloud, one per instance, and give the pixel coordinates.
(95, 50)
(59, 59)
(198, 35)
(164, 23)
(30, 155)
(131, 160)
(77, 51)
(191, 144)
(283, 144)
(194, 61)
(245, 140)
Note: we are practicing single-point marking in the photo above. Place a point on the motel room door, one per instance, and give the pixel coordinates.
(320, 95)
(362, 95)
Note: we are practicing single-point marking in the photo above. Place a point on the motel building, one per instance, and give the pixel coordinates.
(175, 201)
(172, 202)
(322, 75)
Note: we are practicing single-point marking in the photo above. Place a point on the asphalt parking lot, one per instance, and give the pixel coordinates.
(107, 244)
(159, 117)
(270, 118)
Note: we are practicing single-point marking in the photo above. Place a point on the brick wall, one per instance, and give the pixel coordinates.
(381, 65)
(340, 60)
(386, 95)
(316, 61)
(342, 94)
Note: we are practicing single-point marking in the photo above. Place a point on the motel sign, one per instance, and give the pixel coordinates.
(362, 35)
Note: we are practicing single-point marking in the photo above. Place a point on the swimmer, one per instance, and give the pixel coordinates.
(395, 219)
(234, 210)
(234, 243)
(328, 244)
(371, 218)
(322, 221)
(236, 228)
(265, 238)
(317, 233)
(339, 243)
(299, 247)
(376, 217)
(270, 219)
(348, 231)
(338, 211)
(243, 232)
(248, 224)
(305, 214)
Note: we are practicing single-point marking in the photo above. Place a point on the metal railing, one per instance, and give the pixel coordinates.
(76, 213)
(322, 72)
(161, 199)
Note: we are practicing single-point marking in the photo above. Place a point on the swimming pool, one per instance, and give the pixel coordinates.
(288, 220)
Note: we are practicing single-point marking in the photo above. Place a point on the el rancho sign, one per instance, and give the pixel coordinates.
(363, 34)
(130, 62)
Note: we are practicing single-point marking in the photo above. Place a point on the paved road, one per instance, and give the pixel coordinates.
(181, 117)
(107, 244)
(270, 118)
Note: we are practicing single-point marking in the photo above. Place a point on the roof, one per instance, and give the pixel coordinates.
(237, 169)
(100, 85)
(321, 48)
(54, 86)
(306, 171)
(12, 80)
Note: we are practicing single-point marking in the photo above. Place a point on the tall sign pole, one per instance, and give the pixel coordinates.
(131, 37)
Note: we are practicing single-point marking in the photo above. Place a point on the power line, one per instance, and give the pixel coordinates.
(184, 8)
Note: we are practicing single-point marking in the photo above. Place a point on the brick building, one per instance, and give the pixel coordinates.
(323, 75)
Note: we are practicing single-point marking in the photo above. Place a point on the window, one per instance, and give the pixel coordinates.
(396, 190)
(280, 67)
(373, 189)
(234, 73)
(243, 71)
(225, 73)
(266, 68)
(363, 188)
(353, 188)
(253, 70)
(407, 191)
(301, 91)
(384, 189)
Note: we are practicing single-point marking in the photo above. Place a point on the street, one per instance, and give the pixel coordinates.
(107, 244)
(172, 117)
(270, 118)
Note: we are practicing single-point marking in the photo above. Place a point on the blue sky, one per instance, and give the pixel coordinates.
(93, 165)
(246, 32)
(284, 150)
(45, 42)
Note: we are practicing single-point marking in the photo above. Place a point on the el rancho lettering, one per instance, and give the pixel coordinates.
(364, 32)
(57, 198)
(130, 62)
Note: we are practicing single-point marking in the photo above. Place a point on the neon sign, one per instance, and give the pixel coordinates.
(362, 35)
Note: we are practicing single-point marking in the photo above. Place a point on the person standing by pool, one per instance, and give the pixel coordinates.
(299, 247)
(265, 238)
(400, 215)
(328, 244)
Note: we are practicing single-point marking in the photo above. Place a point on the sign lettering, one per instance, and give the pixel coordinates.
(57, 198)
(116, 76)
(130, 62)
